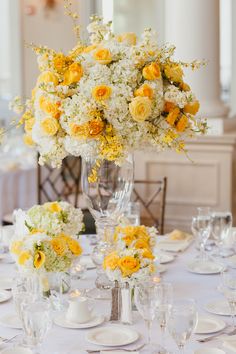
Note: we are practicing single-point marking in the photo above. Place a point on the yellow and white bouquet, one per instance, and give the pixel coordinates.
(138, 237)
(109, 97)
(46, 237)
(129, 265)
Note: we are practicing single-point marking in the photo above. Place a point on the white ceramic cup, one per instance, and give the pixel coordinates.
(79, 310)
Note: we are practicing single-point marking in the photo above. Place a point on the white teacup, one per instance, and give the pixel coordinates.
(79, 310)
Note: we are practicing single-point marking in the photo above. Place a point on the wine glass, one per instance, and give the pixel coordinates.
(164, 302)
(221, 225)
(201, 227)
(182, 321)
(145, 297)
(229, 291)
(37, 322)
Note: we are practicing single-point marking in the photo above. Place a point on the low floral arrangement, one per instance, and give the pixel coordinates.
(109, 97)
(138, 237)
(46, 237)
(129, 265)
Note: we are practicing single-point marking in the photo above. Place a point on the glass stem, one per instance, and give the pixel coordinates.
(148, 324)
(181, 349)
(233, 318)
(163, 330)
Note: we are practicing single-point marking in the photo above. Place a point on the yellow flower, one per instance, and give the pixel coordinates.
(172, 116)
(102, 56)
(95, 127)
(152, 268)
(152, 71)
(49, 107)
(173, 72)
(29, 123)
(128, 239)
(74, 246)
(101, 93)
(141, 244)
(61, 62)
(54, 207)
(182, 123)
(50, 126)
(89, 48)
(23, 257)
(184, 87)
(128, 265)
(46, 77)
(16, 247)
(129, 38)
(59, 245)
(111, 261)
(39, 259)
(147, 253)
(169, 106)
(144, 91)
(192, 107)
(73, 74)
(27, 138)
(140, 108)
(36, 231)
(33, 93)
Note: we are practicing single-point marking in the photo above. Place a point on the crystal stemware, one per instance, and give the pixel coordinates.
(221, 225)
(182, 321)
(145, 297)
(201, 228)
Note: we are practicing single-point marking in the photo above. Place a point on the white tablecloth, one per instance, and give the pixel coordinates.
(203, 288)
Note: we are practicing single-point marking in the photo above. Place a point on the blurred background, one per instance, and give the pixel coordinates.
(200, 29)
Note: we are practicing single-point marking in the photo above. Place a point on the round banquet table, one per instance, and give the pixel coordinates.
(203, 288)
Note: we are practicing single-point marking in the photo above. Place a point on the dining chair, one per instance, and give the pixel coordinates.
(151, 195)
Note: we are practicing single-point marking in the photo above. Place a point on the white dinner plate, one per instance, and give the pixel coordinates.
(209, 351)
(17, 350)
(6, 283)
(87, 261)
(204, 267)
(62, 321)
(5, 295)
(165, 258)
(10, 321)
(112, 336)
(219, 307)
(208, 325)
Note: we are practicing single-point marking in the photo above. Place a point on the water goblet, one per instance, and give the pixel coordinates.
(221, 224)
(182, 321)
(201, 228)
(145, 297)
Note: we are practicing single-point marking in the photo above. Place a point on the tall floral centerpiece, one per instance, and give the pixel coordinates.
(46, 239)
(104, 99)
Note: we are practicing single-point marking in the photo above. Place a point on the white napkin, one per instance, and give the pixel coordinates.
(173, 246)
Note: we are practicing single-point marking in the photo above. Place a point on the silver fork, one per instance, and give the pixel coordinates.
(116, 349)
(227, 331)
(7, 340)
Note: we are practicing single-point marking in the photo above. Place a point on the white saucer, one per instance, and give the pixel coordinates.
(6, 283)
(198, 267)
(165, 258)
(219, 307)
(112, 336)
(87, 261)
(5, 295)
(208, 325)
(61, 321)
(17, 350)
(209, 351)
(10, 321)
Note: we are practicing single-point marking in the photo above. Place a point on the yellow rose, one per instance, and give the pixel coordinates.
(39, 259)
(173, 72)
(27, 139)
(73, 74)
(49, 107)
(101, 93)
(16, 247)
(95, 127)
(59, 245)
(128, 239)
(129, 38)
(54, 207)
(102, 56)
(172, 116)
(50, 126)
(152, 71)
(144, 91)
(128, 265)
(46, 77)
(111, 261)
(147, 253)
(182, 123)
(184, 87)
(140, 108)
(23, 257)
(78, 130)
(74, 246)
(192, 107)
(140, 244)
(169, 106)
(29, 123)
(61, 62)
